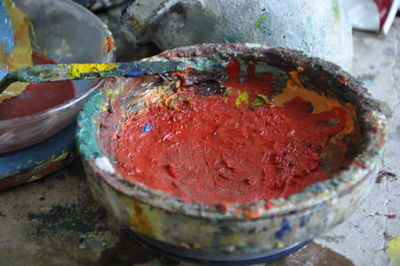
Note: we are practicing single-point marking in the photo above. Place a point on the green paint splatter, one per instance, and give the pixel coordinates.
(228, 90)
(242, 97)
(261, 20)
(336, 10)
(260, 100)
(235, 37)
(257, 102)
(86, 131)
(262, 68)
(262, 25)
(387, 236)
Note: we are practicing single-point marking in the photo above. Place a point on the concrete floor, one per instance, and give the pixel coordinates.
(364, 238)
(55, 221)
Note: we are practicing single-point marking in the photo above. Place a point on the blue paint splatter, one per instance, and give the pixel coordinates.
(305, 219)
(6, 29)
(326, 213)
(285, 227)
(3, 73)
(147, 128)
(135, 73)
(130, 69)
(262, 24)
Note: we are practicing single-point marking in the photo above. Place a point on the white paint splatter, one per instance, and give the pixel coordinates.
(105, 165)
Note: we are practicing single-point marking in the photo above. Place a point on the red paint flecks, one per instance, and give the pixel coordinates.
(233, 147)
(344, 80)
(223, 207)
(257, 85)
(37, 97)
(359, 164)
(109, 44)
(389, 216)
(269, 204)
(252, 214)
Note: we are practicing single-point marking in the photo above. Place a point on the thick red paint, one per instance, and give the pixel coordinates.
(210, 150)
(37, 97)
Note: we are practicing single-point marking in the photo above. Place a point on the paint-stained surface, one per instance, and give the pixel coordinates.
(320, 30)
(313, 254)
(358, 241)
(394, 250)
(56, 221)
(377, 220)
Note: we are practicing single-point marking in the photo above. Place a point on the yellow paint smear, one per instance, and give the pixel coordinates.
(143, 218)
(22, 53)
(394, 250)
(321, 103)
(137, 25)
(233, 240)
(56, 158)
(76, 69)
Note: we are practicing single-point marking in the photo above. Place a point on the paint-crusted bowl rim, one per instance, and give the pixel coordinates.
(310, 198)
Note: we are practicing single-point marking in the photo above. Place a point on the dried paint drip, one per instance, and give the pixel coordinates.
(249, 137)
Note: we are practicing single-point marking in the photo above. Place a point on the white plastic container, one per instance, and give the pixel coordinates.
(372, 15)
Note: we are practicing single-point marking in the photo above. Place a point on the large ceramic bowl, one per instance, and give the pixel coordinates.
(240, 232)
(67, 33)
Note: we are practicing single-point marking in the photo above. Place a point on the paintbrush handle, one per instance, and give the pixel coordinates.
(61, 72)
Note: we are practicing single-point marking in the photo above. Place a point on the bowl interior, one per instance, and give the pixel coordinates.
(67, 33)
(323, 86)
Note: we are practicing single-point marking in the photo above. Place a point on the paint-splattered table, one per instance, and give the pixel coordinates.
(55, 221)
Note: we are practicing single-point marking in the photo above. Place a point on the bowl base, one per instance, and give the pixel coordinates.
(202, 257)
(33, 163)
